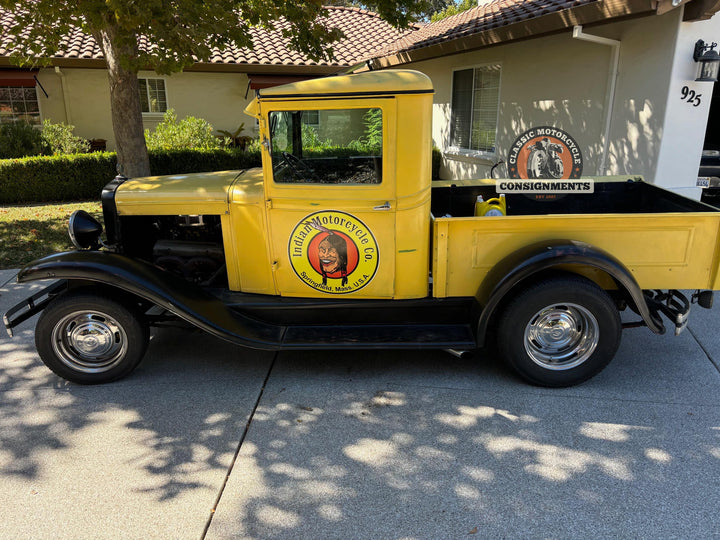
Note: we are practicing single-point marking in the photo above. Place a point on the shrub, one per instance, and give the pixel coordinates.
(235, 139)
(55, 178)
(60, 139)
(82, 176)
(311, 140)
(20, 139)
(190, 132)
(373, 129)
(254, 146)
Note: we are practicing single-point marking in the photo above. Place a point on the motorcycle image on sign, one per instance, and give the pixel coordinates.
(544, 160)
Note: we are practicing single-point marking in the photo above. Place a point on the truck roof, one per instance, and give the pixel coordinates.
(385, 82)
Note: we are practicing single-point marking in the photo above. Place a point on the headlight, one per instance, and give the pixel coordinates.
(84, 230)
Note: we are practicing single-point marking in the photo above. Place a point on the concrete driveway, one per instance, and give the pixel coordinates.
(209, 440)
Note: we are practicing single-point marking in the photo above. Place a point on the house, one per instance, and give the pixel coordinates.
(74, 88)
(616, 76)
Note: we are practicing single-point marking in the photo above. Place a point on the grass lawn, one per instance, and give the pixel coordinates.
(29, 232)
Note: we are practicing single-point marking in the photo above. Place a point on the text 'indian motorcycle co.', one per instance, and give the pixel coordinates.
(333, 252)
(544, 159)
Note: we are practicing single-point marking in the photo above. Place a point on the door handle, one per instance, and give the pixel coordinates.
(385, 206)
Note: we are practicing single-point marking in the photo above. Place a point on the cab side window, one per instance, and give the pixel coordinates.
(339, 146)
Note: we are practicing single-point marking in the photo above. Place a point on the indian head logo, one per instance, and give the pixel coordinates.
(545, 152)
(333, 252)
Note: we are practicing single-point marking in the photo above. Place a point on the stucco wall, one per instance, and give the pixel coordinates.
(642, 89)
(218, 98)
(547, 81)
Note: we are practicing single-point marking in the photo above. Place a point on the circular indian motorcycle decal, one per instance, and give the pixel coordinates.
(545, 152)
(333, 252)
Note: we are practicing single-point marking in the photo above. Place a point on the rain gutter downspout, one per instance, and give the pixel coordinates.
(66, 100)
(610, 92)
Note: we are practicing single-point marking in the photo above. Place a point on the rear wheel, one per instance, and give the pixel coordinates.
(91, 339)
(559, 331)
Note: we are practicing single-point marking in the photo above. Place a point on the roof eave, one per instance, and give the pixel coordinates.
(700, 10)
(265, 68)
(99, 63)
(546, 24)
(89, 63)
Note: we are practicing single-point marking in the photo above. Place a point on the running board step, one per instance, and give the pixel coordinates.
(385, 336)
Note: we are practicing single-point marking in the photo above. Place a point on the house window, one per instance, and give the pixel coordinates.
(152, 95)
(19, 104)
(311, 118)
(474, 114)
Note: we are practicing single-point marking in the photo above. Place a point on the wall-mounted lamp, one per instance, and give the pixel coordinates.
(709, 61)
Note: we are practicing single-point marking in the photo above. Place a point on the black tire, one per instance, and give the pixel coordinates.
(559, 331)
(87, 338)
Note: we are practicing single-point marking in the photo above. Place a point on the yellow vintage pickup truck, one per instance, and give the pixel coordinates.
(341, 240)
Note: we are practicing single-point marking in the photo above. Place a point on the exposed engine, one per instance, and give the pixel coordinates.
(188, 246)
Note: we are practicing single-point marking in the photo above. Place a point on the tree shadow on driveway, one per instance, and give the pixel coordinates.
(359, 444)
(156, 443)
(423, 445)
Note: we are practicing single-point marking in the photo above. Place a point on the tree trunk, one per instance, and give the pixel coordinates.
(125, 106)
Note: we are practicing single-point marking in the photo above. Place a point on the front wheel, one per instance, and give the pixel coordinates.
(559, 331)
(91, 339)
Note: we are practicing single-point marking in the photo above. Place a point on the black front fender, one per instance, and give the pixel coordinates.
(535, 258)
(166, 290)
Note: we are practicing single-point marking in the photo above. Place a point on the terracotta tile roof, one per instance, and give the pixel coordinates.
(363, 31)
(487, 16)
(75, 45)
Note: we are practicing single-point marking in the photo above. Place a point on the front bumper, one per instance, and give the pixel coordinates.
(31, 306)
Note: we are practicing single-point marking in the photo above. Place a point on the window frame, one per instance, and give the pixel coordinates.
(167, 100)
(37, 100)
(329, 108)
(455, 150)
(313, 124)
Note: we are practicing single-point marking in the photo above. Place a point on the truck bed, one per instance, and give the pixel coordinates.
(611, 197)
(667, 241)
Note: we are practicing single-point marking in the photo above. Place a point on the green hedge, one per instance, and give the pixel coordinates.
(82, 176)
(189, 161)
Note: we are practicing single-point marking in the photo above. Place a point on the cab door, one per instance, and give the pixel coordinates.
(331, 198)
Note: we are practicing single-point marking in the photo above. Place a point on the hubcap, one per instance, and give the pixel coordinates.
(89, 341)
(561, 336)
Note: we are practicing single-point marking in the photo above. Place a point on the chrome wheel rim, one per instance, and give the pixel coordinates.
(561, 336)
(89, 341)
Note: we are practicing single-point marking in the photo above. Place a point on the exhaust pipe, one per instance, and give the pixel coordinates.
(458, 354)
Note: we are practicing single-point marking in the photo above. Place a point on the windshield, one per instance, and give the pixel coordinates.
(338, 146)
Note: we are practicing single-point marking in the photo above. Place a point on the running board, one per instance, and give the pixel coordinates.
(385, 336)
(208, 312)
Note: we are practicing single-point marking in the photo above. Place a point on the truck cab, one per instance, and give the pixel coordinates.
(345, 167)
